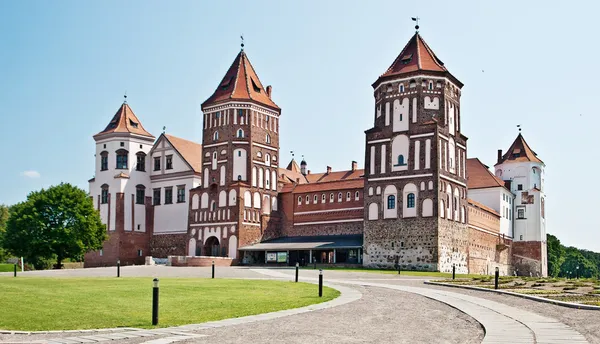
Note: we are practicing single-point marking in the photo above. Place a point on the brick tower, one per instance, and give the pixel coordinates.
(415, 180)
(237, 202)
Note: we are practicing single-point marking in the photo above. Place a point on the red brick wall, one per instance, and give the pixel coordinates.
(201, 261)
(483, 219)
(487, 251)
(527, 258)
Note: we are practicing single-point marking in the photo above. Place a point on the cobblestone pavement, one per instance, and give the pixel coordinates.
(392, 309)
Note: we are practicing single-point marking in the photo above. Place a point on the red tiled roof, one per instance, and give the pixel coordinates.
(519, 151)
(334, 176)
(293, 166)
(334, 185)
(125, 121)
(416, 56)
(479, 176)
(484, 207)
(241, 83)
(190, 151)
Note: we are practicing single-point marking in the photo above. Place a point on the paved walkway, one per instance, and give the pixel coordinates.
(502, 323)
(348, 323)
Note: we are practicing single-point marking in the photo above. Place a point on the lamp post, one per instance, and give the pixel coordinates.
(453, 271)
(119, 268)
(155, 302)
(497, 275)
(577, 272)
(320, 282)
(213, 269)
(297, 266)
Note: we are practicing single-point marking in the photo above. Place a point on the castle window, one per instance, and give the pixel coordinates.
(181, 194)
(140, 194)
(141, 162)
(339, 197)
(122, 144)
(240, 134)
(431, 85)
(391, 202)
(218, 115)
(216, 136)
(254, 86)
(348, 195)
(169, 162)
(520, 187)
(156, 197)
(406, 59)
(104, 194)
(213, 205)
(315, 199)
(169, 195)
(401, 88)
(240, 112)
(122, 159)
(268, 138)
(356, 196)
(520, 213)
(157, 163)
(103, 161)
(140, 253)
(239, 153)
(299, 200)
(330, 198)
(133, 124)
(307, 199)
(410, 200)
(401, 161)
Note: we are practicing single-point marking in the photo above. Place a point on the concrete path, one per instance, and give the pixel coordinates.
(502, 323)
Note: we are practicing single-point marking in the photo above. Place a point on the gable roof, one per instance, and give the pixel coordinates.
(124, 121)
(416, 56)
(190, 152)
(241, 83)
(332, 185)
(519, 151)
(334, 176)
(480, 177)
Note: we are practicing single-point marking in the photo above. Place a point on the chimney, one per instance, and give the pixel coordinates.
(499, 155)
(354, 165)
(328, 169)
(308, 172)
(269, 90)
(298, 180)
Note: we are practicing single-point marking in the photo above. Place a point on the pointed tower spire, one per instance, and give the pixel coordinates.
(124, 121)
(519, 151)
(241, 83)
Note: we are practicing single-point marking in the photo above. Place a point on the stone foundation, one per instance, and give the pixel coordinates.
(529, 258)
(200, 261)
(164, 245)
(488, 251)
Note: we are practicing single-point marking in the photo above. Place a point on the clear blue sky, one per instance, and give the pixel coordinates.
(64, 66)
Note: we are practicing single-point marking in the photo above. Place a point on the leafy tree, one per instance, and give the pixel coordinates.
(59, 223)
(574, 259)
(4, 211)
(556, 254)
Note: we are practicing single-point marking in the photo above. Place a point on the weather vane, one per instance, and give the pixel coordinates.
(242, 37)
(292, 152)
(519, 126)
(125, 97)
(416, 19)
(164, 129)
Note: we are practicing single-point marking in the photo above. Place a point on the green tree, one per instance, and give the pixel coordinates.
(574, 259)
(556, 255)
(59, 222)
(4, 211)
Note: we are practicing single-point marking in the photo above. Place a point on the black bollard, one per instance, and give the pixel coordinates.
(315, 261)
(118, 268)
(453, 271)
(496, 278)
(155, 303)
(320, 282)
(398, 269)
(15, 270)
(297, 272)
(213, 269)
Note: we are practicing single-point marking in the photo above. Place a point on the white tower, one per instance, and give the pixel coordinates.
(524, 173)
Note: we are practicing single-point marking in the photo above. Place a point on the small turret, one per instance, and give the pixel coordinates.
(303, 166)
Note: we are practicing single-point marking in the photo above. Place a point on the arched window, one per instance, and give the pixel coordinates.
(240, 134)
(348, 195)
(299, 200)
(122, 159)
(268, 138)
(410, 200)
(391, 202)
(104, 161)
(330, 197)
(315, 199)
(371, 191)
(373, 211)
(401, 161)
(141, 162)
(267, 159)
(104, 195)
(431, 85)
(356, 195)
(339, 197)
(216, 136)
(307, 199)
(213, 205)
(140, 194)
(323, 198)
(401, 88)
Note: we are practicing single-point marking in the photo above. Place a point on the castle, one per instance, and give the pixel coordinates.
(419, 203)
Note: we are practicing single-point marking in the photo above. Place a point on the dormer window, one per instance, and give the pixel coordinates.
(254, 86)
(406, 59)
(225, 84)
(133, 124)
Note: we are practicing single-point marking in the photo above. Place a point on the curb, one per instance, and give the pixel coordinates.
(525, 296)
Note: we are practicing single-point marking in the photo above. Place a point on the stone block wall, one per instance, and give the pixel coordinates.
(164, 245)
(453, 240)
(528, 258)
(488, 251)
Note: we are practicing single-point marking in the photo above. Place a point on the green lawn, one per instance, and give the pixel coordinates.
(7, 268)
(29, 303)
(395, 272)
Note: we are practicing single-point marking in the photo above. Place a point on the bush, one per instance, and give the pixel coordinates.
(569, 288)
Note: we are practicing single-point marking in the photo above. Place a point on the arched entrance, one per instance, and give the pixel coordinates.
(212, 247)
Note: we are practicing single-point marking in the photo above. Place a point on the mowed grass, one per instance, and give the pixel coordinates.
(395, 272)
(7, 268)
(32, 304)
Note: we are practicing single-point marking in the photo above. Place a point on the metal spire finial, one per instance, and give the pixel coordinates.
(416, 19)
(519, 126)
(242, 37)
(125, 98)
(164, 129)
(292, 152)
